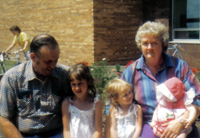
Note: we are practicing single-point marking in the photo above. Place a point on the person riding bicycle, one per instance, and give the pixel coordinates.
(22, 39)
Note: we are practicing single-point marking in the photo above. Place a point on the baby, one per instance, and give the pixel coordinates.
(173, 101)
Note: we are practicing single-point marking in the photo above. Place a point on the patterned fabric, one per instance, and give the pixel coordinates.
(82, 123)
(145, 83)
(126, 124)
(21, 40)
(34, 105)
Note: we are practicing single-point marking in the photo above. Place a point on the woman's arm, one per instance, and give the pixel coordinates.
(197, 110)
(98, 120)
(138, 123)
(111, 124)
(174, 127)
(66, 119)
(192, 115)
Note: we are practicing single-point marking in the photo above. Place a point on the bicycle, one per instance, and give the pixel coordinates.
(3, 67)
(16, 58)
(2, 63)
(175, 48)
(10, 62)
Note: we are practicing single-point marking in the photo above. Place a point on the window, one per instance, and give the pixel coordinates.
(186, 20)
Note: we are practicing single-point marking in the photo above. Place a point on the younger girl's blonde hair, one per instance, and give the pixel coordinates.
(114, 88)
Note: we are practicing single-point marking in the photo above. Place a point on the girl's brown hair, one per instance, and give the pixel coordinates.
(79, 72)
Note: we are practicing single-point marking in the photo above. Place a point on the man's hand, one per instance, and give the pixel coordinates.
(173, 129)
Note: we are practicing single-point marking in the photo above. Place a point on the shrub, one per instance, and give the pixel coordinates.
(102, 74)
(196, 72)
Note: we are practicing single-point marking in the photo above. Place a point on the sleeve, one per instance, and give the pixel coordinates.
(7, 97)
(191, 81)
(127, 75)
(24, 37)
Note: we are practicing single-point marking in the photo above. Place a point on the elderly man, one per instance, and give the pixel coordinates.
(31, 93)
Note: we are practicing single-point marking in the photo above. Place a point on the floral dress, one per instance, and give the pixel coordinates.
(82, 123)
(126, 124)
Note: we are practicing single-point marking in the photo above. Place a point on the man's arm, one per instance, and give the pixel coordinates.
(66, 119)
(9, 129)
(8, 106)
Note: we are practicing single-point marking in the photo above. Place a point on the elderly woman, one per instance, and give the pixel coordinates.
(152, 69)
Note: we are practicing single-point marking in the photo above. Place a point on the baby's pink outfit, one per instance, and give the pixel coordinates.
(173, 89)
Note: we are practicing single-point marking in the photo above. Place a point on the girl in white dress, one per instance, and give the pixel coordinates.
(125, 117)
(82, 110)
(173, 101)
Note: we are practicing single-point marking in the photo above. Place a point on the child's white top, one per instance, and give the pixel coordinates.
(82, 123)
(126, 124)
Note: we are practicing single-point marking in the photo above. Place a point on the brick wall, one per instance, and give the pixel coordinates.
(69, 21)
(110, 30)
(115, 26)
(88, 30)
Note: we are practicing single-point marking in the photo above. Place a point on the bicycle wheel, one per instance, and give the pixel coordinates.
(2, 68)
(1, 75)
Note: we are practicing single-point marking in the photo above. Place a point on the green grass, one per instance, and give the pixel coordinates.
(9, 64)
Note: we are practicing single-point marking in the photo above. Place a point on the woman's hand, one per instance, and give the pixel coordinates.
(188, 123)
(173, 129)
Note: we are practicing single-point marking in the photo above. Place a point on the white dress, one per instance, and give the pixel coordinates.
(82, 124)
(126, 124)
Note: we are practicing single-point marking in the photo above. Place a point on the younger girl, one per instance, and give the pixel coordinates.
(125, 117)
(82, 111)
(173, 101)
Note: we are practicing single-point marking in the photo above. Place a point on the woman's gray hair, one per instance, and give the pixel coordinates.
(155, 29)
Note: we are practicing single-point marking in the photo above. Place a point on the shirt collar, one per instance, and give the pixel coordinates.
(167, 61)
(30, 74)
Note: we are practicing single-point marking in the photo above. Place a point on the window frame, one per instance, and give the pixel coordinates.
(184, 29)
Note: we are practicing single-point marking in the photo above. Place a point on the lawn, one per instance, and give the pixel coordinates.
(8, 64)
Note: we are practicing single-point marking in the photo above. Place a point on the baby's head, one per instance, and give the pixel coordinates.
(119, 92)
(81, 72)
(172, 90)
